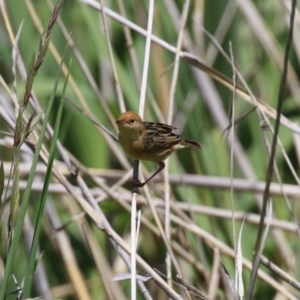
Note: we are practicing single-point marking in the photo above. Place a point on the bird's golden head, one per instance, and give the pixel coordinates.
(129, 120)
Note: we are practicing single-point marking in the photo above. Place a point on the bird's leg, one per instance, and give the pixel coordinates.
(137, 183)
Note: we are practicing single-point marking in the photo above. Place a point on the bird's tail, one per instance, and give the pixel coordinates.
(190, 143)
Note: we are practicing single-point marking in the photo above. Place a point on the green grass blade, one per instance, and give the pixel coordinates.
(20, 221)
(38, 225)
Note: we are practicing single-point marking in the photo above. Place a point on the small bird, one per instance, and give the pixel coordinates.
(149, 140)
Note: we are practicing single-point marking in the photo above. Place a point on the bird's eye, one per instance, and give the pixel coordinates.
(131, 121)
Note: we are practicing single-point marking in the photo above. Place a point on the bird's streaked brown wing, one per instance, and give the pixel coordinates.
(159, 137)
(159, 126)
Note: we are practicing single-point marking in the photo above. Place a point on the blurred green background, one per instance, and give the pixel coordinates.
(257, 56)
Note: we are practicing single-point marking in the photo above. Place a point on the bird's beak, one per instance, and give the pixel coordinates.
(120, 122)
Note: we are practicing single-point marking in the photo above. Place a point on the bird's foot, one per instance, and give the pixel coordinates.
(137, 183)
